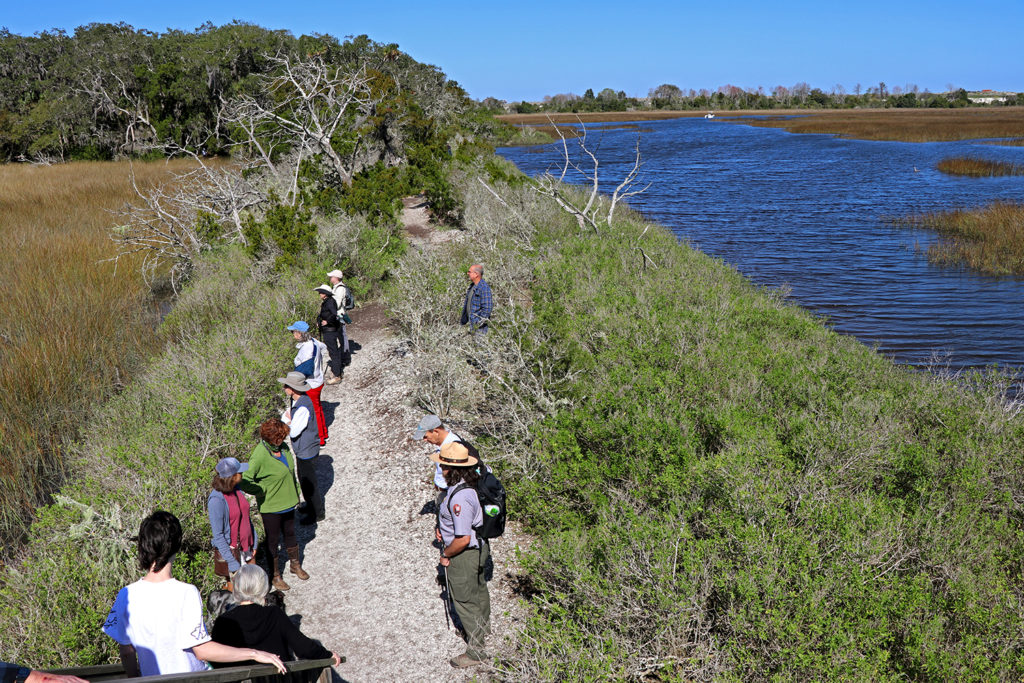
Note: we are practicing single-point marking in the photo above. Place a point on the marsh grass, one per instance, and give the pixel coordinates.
(989, 239)
(978, 168)
(73, 325)
(905, 125)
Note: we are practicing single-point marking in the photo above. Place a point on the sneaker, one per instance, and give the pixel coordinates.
(464, 661)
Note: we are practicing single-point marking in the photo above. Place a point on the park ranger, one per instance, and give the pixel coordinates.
(463, 555)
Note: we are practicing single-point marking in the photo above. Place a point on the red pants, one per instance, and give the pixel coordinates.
(321, 424)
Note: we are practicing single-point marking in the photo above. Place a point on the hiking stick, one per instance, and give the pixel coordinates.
(449, 603)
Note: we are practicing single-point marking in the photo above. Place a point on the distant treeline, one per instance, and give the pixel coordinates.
(110, 90)
(731, 97)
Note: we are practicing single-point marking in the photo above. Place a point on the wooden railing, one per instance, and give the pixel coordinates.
(115, 672)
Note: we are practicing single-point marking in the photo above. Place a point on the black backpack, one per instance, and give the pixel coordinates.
(491, 494)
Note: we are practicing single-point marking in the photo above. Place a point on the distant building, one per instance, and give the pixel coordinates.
(987, 96)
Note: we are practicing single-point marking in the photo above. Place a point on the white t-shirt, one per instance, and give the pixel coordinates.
(439, 481)
(163, 620)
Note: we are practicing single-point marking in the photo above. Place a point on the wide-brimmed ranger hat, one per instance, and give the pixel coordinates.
(295, 380)
(229, 467)
(325, 289)
(428, 423)
(335, 273)
(454, 454)
(299, 326)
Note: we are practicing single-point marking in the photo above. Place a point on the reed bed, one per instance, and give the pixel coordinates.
(988, 239)
(73, 324)
(904, 125)
(978, 168)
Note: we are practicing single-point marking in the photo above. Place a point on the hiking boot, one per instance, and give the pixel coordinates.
(277, 582)
(294, 566)
(464, 661)
(335, 380)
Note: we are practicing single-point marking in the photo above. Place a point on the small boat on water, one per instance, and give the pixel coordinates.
(709, 115)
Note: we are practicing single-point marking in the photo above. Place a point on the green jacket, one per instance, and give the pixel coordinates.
(271, 482)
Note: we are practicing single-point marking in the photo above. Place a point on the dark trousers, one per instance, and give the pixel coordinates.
(310, 489)
(276, 524)
(332, 338)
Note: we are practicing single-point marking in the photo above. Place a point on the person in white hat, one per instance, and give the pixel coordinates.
(301, 420)
(330, 325)
(340, 295)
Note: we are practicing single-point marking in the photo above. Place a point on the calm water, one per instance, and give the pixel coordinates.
(806, 210)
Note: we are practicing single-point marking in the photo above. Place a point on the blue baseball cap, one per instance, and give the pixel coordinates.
(229, 467)
(299, 326)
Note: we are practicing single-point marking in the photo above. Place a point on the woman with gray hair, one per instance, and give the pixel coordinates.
(255, 624)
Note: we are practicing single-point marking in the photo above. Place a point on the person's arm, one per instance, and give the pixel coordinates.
(458, 544)
(306, 366)
(300, 418)
(486, 304)
(217, 511)
(302, 645)
(251, 475)
(211, 651)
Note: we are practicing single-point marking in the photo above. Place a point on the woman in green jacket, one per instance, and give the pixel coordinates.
(271, 478)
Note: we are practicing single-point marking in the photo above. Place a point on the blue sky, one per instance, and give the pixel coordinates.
(528, 49)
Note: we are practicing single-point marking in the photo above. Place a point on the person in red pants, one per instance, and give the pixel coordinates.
(307, 361)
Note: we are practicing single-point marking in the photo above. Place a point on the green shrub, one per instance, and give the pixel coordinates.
(285, 231)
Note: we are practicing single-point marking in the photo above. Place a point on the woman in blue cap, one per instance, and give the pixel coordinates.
(307, 361)
(234, 536)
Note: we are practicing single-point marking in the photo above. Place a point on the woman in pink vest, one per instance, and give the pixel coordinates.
(234, 537)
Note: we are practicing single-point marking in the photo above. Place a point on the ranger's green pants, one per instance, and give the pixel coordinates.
(469, 593)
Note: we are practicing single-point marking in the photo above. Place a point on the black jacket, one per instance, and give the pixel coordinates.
(266, 628)
(328, 314)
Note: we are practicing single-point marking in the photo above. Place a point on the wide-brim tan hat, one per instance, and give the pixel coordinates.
(453, 454)
(326, 289)
(295, 380)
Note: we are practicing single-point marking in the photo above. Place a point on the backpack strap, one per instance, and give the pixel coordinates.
(451, 495)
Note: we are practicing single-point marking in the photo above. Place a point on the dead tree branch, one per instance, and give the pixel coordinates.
(586, 211)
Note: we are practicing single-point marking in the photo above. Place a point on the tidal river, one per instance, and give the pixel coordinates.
(807, 211)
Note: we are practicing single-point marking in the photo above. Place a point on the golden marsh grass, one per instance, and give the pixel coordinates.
(905, 125)
(989, 239)
(978, 168)
(72, 323)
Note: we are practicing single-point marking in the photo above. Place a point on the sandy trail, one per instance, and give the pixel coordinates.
(373, 594)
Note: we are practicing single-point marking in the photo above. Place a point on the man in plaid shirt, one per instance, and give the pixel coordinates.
(476, 311)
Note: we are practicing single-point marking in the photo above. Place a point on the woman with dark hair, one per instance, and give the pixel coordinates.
(330, 328)
(234, 536)
(271, 478)
(253, 623)
(158, 621)
(463, 555)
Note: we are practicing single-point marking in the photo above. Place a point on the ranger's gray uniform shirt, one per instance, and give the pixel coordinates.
(466, 513)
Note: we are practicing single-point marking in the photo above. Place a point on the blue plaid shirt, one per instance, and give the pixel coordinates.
(479, 305)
